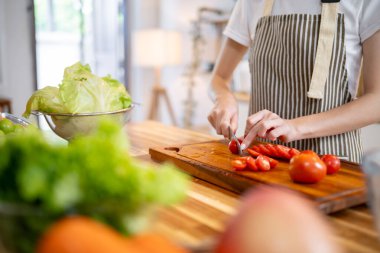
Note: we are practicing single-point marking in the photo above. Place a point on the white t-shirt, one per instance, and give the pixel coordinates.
(362, 20)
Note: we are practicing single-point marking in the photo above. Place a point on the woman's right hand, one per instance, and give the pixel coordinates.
(224, 115)
(225, 112)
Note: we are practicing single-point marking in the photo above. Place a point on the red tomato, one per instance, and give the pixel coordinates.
(332, 163)
(233, 147)
(251, 164)
(239, 164)
(263, 163)
(307, 168)
(310, 152)
(253, 152)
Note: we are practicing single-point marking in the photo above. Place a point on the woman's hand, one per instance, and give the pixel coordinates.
(224, 115)
(225, 111)
(268, 125)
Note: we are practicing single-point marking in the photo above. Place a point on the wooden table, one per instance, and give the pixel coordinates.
(199, 220)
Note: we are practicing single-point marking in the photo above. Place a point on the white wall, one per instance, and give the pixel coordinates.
(144, 14)
(174, 15)
(18, 54)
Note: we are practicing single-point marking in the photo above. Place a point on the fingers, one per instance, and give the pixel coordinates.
(253, 119)
(279, 132)
(268, 122)
(265, 127)
(221, 120)
(234, 123)
(223, 127)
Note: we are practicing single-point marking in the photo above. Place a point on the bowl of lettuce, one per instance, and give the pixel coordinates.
(82, 99)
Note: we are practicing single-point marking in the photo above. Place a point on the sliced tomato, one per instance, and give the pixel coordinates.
(262, 163)
(251, 164)
(293, 152)
(283, 152)
(257, 149)
(239, 164)
(264, 150)
(253, 152)
(273, 163)
(242, 158)
(272, 150)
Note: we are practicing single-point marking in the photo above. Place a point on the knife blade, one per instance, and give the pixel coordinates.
(233, 137)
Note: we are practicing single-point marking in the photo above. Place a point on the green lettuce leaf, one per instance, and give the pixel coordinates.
(47, 100)
(80, 92)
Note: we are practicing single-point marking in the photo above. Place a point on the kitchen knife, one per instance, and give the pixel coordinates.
(233, 137)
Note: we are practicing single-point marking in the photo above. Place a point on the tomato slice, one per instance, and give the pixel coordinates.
(243, 158)
(272, 150)
(263, 163)
(293, 152)
(273, 163)
(257, 149)
(238, 164)
(283, 152)
(251, 164)
(253, 152)
(264, 150)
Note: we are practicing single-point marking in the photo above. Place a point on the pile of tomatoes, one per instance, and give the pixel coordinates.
(304, 167)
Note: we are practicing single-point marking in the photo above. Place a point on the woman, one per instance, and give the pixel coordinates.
(305, 59)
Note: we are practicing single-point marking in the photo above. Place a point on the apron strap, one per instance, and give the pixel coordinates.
(324, 48)
(268, 6)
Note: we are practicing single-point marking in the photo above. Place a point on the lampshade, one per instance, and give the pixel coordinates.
(156, 48)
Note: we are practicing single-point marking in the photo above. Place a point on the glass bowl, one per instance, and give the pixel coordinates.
(67, 125)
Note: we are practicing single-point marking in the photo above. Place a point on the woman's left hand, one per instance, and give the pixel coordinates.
(268, 125)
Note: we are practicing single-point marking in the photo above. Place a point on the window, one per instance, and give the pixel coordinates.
(68, 31)
(2, 41)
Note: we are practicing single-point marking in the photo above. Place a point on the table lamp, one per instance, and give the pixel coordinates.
(157, 48)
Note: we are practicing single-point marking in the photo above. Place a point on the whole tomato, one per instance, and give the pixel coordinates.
(332, 163)
(233, 147)
(307, 168)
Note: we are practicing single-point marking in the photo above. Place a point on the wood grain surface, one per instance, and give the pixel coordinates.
(211, 161)
(199, 220)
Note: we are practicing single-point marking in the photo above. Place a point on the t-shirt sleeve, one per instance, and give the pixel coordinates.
(369, 22)
(237, 28)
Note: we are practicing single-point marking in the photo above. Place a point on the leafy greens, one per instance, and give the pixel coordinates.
(94, 175)
(80, 92)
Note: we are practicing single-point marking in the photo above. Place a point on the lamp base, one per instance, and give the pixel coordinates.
(157, 92)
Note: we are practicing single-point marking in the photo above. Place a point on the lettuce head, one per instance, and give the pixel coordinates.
(80, 92)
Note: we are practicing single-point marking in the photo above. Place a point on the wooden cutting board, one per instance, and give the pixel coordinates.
(210, 161)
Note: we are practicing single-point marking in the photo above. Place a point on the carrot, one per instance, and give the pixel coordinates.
(157, 244)
(80, 234)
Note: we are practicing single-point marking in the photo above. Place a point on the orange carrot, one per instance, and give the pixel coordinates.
(80, 234)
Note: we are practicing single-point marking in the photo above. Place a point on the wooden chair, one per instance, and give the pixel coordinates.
(5, 105)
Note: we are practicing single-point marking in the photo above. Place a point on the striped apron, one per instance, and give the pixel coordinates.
(292, 76)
